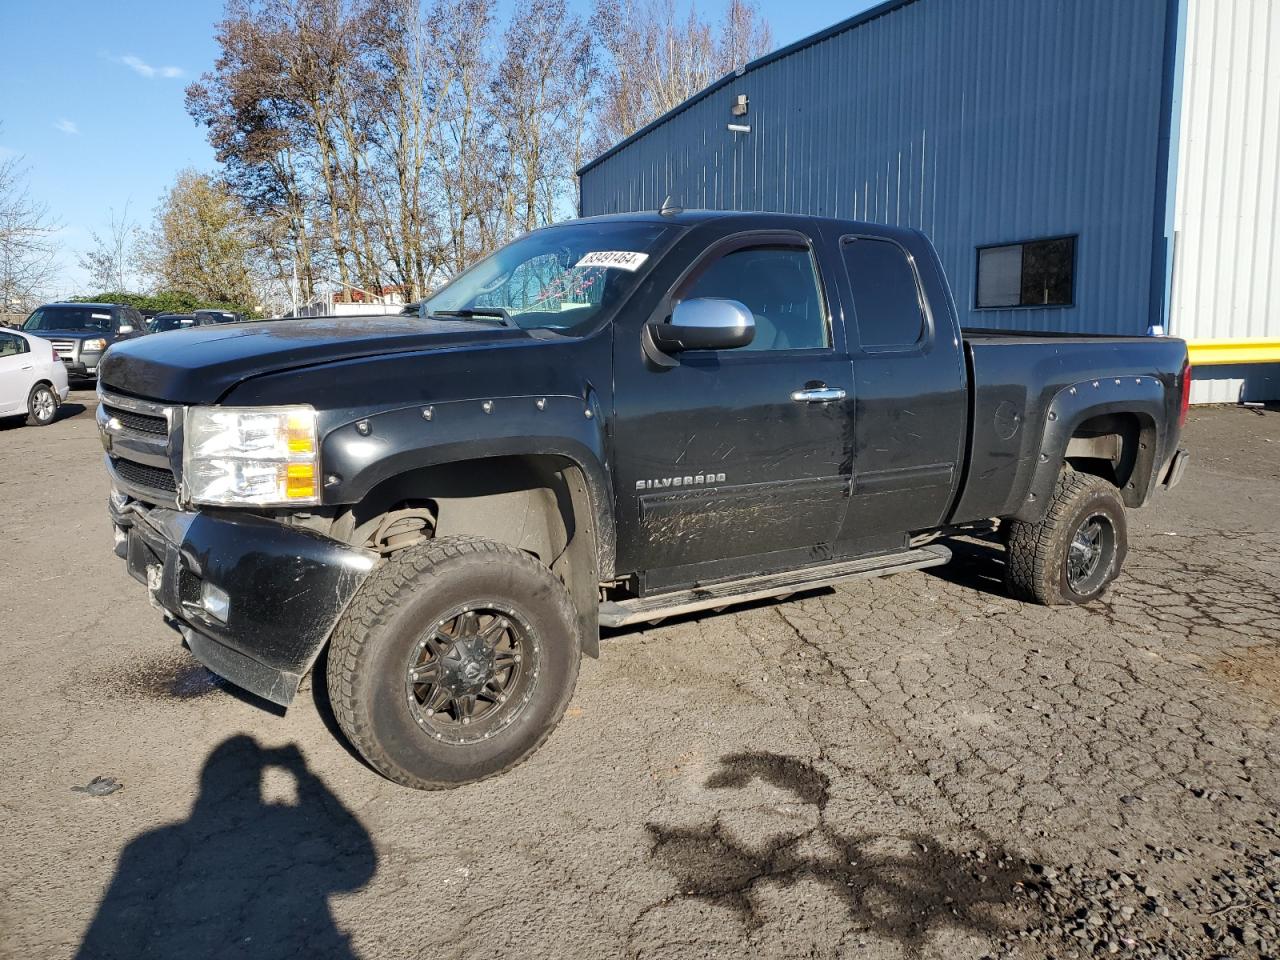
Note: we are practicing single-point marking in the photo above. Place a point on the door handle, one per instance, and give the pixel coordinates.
(26, 366)
(817, 395)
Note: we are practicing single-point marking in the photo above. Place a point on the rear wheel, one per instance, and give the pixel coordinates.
(42, 405)
(454, 662)
(1073, 554)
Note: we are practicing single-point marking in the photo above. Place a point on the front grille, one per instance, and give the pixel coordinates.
(64, 348)
(141, 475)
(141, 422)
(144, 459)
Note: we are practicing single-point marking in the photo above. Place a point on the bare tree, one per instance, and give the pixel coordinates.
(658, 56)
(28, 250)
(406, 121)
(112, 261)
(249, 109)
(391, 142)
(465, 155)
(540, 95)
(744, 35)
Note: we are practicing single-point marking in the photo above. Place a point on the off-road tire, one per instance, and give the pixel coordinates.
(374, 639)
(1037, 553)
(42, 405)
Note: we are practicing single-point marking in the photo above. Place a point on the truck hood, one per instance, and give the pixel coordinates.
(200, 365)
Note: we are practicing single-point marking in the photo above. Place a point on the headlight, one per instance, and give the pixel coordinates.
(91, 345)
(259, 456)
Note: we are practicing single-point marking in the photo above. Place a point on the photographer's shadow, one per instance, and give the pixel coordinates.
(240, 877)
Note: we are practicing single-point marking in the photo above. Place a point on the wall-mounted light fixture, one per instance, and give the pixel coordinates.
(739, 128)
(740, 104)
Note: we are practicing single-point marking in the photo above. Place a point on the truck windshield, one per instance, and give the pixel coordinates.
(69, 318)
(558, 278)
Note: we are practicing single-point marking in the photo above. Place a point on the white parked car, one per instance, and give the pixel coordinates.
(33, 378)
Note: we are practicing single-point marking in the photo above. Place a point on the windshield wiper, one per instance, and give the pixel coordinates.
(467, 313)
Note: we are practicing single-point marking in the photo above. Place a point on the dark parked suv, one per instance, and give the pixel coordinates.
(165, 322)
(81, 332)
(219, 316)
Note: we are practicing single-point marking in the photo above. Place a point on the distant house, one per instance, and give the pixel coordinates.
(354, 301)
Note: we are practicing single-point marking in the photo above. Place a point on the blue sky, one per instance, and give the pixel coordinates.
(91, 95)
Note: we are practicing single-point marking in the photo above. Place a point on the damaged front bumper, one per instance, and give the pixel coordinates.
(254, 599)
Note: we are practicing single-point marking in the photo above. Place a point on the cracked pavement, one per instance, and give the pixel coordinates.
(910, 767)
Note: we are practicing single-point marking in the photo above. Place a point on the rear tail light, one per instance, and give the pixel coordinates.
(1185, 402)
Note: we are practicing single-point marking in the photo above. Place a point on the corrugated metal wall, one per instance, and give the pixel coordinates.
(1226, 277)
(979, 122)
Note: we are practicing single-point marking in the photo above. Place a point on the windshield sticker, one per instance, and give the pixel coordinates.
(100, 316)
(617, 259)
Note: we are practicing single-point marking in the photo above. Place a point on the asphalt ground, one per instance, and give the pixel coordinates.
(911, 767)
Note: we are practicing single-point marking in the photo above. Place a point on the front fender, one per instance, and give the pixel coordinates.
(1143, 396)
(357, 456)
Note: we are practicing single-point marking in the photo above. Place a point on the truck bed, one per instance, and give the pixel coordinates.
(1015, 376)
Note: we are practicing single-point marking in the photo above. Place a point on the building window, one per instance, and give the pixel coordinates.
(1037, 273)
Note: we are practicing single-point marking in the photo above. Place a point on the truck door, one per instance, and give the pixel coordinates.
(911, 395)
(741, 453)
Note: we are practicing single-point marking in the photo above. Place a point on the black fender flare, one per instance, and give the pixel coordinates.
(1143, 396)
(357, 455)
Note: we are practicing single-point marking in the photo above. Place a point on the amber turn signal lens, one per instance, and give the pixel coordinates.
(300, 481)
(301, 435)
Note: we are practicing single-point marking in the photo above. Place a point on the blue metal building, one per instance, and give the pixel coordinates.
(1047, 147)
(984, 123)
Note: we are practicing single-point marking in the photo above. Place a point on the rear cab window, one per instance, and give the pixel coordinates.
(887, 302)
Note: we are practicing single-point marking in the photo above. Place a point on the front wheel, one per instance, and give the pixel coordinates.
(454, 662)
(1073, 554)
(42, 405)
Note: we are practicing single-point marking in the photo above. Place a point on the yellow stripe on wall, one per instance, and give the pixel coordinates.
(1250, 350)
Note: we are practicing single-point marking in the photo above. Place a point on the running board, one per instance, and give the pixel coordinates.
(619, 613)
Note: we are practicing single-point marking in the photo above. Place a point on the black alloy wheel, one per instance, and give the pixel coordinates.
(1090, 553)
(472, 673)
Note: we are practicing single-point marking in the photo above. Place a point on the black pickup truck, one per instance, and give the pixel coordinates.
(608, 421)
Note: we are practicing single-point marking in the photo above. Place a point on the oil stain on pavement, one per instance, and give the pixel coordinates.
(902, 896)
(173, 674)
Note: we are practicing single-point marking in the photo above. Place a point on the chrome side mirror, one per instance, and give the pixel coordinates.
(705, 323)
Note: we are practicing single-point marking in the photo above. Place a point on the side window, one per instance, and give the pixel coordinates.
(11, 346)
(779, 284)
(886, 298)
